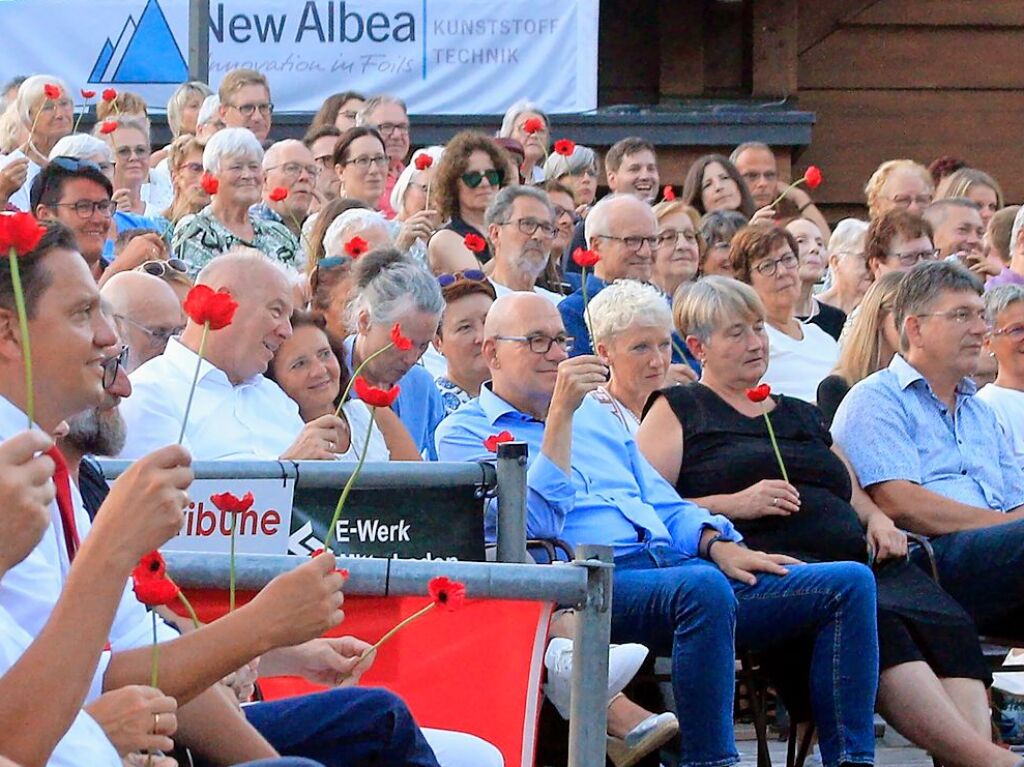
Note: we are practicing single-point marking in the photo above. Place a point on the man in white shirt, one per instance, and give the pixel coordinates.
(520, 225)
(236, 412)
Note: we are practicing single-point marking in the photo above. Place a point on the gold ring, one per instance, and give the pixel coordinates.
(156, 723)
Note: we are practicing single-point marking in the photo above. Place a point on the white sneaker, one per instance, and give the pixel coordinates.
(624, 660)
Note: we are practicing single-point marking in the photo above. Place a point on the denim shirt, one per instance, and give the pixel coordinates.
(613, 495)
(892, 427)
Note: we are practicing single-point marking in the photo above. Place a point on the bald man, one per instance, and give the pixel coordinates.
(682, 583)
(147, 313)
(236, 411)
(287, 165)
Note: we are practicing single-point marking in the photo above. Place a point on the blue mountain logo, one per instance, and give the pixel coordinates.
(145, 52)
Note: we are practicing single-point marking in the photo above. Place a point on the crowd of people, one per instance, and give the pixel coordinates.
(625, 338)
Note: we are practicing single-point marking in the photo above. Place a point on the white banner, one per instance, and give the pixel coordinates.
(441, 56)
(264, 529)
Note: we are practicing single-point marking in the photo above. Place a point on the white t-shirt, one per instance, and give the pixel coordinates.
(20, 198)
(358, 415)
(796, 367)
(1008, 405)
(554, 298)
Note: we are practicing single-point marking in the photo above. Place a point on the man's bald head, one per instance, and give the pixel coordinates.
(511, 314)
(146, 311)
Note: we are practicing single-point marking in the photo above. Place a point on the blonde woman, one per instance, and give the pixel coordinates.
(679, 246)
(869, 345)
(977, 186)
(899, 184)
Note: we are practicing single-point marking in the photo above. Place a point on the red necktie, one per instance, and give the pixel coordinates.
(64, 503)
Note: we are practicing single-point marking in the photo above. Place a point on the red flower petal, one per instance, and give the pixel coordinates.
(759, 393)
(668, 193)
(19, 232)
(203, 305)
(447, 593)
(585, 258)
(108, 126)
(401, 343)
(87, 94)
(316, 553)
(278, 193)
(231, 502)
(565, 147)
(492, 442)
(151, 565)
(155, 591)
(374, 396)
(109, 94)
(51, 91)
(356, 247)
(813, 177)
(475, 243)
(209, 183)
(423, 161)
(533, 125)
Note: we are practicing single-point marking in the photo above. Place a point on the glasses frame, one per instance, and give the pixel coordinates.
(364, 163)
(93, 206)
(769, 267)
(313, 169)
(921, 255)
(633, 243)
(1009, 331)
(959, 316)
(469, 275)
(473, 178)
(112, 364)
(565, 342)
(529, 227)
(247, 110)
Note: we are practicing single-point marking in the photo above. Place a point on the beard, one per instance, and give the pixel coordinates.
(99, 431)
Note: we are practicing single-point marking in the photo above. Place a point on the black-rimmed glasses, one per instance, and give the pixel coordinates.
(86, 208)
(539, 343)
(769, 266)
(529, 227)
(246, 110)
(634, 243)
(111, 365)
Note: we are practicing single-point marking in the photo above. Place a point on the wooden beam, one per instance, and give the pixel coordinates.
(681, 34)
(773, 60)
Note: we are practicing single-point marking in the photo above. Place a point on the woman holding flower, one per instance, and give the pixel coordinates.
(525, 122)
(730, 467)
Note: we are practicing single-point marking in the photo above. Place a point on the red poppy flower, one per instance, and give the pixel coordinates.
(668, 193)
(374, 396)
(109, 94)
(209, 183)
(585, 258)
(108, 126)
(19, 232)
(401, 343)
(203, 305)
(232, 503)
(812, 177)
(150, 581)
(533, 125)
(278, 193)
(87, 94)
(759, 393)
(151, 565)
(356, 247)
(475, 242)
(447, 593)
(51, 91)
(492, 442)
(423, 161)
(565, 147)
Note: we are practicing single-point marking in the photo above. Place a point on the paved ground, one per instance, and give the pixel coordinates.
(885, 756)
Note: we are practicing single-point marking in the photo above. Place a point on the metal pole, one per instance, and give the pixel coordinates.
(199, 40)
(588, 713)
(512, 502)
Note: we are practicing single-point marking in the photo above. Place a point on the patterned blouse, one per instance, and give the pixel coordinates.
(452, 394)
(197, 239)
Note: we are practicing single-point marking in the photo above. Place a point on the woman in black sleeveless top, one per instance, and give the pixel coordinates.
(711, 441)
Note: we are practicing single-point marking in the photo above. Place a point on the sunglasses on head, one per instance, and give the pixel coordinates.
(333, 262)
(73, 165)
(164, 268)
(473, 275)
(473, 178)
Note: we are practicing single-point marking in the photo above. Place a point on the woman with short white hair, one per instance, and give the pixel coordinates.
(233, 159)
(848, 275)
(409, 196)
(1004, 312)
(578, 171)
(535, 143)
(632, 330)
(47, 120)
(82, 146)
(368, 225)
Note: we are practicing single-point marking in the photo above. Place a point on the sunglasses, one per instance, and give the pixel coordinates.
(73, 165)
(111, 366)
(472, 275)
(170, 267)
(473, 178)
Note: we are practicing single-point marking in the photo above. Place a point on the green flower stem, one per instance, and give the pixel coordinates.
(355, 374)
(190, 608)
(195, 380)
(231, 567)
(775, 445)
(19, 304)
(348, 485)
(402, 624)
(586, 310)
(785, 191)
(153, 670)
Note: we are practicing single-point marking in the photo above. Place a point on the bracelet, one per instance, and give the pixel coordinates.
(711, 542)
(810, 204)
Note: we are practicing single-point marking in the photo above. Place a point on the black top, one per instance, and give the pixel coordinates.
(92, 486)
(727, 452)
(828, 318)
(461, 228)
(831, 392)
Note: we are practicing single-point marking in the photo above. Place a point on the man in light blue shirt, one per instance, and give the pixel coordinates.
(932, 455)
(683, 584)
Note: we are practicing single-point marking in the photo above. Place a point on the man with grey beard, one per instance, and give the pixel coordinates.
(520, 226)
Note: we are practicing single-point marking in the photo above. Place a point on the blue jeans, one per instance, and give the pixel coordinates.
(983, 570)
(344, 727)
(689, 609)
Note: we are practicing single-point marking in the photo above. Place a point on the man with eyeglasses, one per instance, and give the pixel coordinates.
(682, 584)
(623, 231)
(389, 116)
(287, 165)
(147, 313)
(520, 226)
(245, 102)
(932, 455)
(321, 142)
